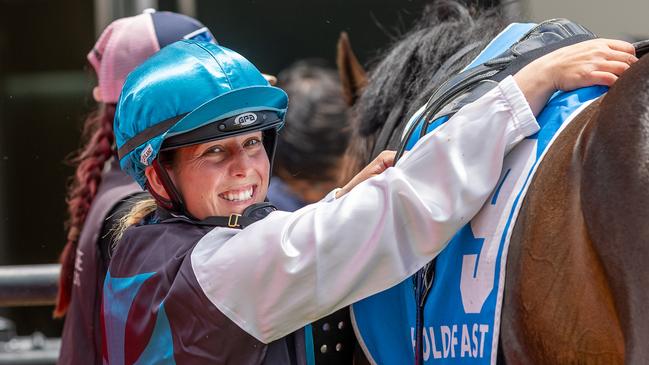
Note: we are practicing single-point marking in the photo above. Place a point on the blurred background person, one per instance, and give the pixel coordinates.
(314, 139)
(99, 190)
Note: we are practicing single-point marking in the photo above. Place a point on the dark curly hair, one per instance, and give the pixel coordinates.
(316, 134)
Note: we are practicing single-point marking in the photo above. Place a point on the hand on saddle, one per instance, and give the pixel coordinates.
(594, 62)
(384, 160)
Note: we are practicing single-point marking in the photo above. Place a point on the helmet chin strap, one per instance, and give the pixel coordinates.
(175, 203)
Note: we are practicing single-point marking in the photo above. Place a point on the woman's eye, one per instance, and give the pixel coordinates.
(214, 150)
(252, 142)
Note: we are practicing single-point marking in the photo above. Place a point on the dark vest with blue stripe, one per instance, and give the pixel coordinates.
(156, 312)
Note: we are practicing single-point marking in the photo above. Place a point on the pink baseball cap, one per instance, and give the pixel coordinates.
(127, 42)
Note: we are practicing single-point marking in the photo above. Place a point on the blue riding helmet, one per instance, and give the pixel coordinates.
(192, 92)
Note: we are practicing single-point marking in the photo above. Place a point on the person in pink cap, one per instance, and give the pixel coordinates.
(99, 190)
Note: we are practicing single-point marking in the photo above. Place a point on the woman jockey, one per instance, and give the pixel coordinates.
(212, 274)
(99, 188)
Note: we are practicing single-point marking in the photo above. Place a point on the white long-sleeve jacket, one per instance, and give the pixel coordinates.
(290, 269)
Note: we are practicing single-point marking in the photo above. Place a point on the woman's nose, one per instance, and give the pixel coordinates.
(240, 163)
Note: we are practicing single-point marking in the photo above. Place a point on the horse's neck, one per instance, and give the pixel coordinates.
(558, 306)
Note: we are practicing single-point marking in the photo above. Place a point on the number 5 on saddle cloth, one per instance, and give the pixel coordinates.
(455, 318)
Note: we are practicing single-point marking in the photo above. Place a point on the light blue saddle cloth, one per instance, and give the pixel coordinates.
(461, 315)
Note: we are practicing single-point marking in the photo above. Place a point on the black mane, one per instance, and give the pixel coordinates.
(405, 76)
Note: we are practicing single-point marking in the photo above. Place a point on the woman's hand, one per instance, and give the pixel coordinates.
(594, 62)
(384, 160)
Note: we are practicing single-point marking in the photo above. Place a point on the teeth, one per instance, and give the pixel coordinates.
(238, 196)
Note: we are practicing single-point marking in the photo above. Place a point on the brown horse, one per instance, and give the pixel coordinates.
(578, 279)
(577, 287)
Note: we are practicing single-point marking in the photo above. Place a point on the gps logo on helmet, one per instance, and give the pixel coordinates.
(245, 119)
(146, 153)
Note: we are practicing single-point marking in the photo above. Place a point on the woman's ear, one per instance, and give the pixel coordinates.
(154, 182)
(96, 94)
(272, 80)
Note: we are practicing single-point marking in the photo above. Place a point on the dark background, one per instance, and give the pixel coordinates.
(45, 94)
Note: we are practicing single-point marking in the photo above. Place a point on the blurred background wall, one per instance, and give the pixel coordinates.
(43, 97)
(45, 86)
(622, 19)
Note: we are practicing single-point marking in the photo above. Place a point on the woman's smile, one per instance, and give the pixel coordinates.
(242, 194)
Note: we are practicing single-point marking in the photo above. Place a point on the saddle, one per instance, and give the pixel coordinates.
(470, 84)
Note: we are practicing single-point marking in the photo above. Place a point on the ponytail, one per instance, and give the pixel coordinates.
(90, 160)
(139, 210)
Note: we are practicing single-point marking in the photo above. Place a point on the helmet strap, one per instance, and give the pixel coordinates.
(175, 203)
(270, 145)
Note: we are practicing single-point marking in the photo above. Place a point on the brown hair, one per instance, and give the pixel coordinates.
(89, 160)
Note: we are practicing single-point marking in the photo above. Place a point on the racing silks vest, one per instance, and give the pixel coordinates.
(155, 312)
